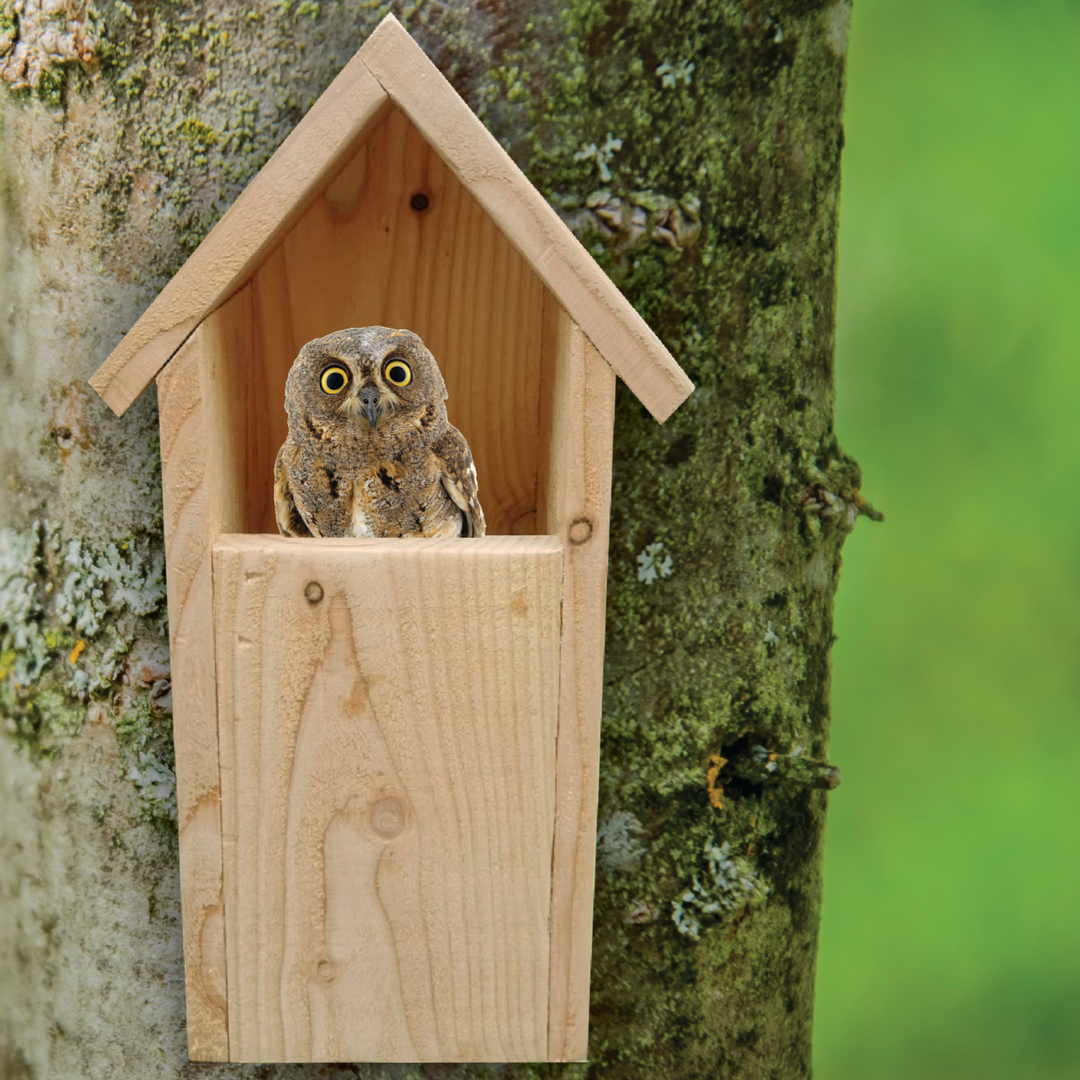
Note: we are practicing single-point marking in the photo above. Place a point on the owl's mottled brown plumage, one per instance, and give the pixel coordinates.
(370, 453)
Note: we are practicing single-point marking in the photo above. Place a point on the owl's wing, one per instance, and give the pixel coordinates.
(289, 521)
(459, 478)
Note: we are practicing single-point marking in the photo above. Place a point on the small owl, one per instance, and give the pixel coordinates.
(370, 451)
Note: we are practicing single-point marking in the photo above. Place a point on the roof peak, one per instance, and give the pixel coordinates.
(389, 70)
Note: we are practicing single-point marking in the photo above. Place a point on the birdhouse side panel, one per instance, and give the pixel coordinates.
(245, 411)
(575, 505)
(188, 493)
(388, 717)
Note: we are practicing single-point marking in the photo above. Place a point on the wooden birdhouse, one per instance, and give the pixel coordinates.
(387, 750)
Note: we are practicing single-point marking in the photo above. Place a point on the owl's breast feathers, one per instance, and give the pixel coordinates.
(374, 486)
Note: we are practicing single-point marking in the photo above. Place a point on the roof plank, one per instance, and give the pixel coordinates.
(391, 69)
(233, 249)
(589, 296)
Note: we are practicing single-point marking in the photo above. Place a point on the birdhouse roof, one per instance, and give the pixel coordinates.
(391, 70)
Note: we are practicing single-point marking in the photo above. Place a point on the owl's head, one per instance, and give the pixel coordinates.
(371, 375)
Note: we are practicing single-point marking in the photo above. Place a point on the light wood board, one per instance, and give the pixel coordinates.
(188, 494)
(575, 505)
(388, 795)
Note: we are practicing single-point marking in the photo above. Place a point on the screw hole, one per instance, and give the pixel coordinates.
(419, 201)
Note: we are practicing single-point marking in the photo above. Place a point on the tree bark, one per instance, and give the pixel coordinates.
(695, 148)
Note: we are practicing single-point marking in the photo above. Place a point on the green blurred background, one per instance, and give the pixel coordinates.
(951, 932)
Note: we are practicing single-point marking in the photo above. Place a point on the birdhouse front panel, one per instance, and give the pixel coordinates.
(387, 750)
(387, 719)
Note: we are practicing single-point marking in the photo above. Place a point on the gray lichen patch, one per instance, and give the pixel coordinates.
(612, 226)
(78, 626)
(618, 843)
(725, 885)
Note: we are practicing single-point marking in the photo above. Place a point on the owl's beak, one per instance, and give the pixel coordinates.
(368, 397)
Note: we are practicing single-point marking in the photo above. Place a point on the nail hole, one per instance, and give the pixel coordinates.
(419, 201)
(581, 530)
(313, 592)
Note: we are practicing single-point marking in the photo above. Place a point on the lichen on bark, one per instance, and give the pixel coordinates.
(695, 148)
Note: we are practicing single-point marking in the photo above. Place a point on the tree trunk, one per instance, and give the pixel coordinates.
(695, 148)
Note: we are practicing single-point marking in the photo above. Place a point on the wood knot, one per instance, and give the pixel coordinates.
(325, 971)
(313, 592)
(419, 202)
(388, 817)
(580, 531)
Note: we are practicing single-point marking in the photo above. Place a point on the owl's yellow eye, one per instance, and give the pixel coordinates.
(334, 380)
(398, 373)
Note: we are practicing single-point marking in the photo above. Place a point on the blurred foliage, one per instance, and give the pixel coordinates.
(950, 942)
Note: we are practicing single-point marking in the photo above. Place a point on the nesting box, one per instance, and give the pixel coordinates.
(387, 750)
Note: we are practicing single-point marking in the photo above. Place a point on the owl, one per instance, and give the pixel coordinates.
(370, 451)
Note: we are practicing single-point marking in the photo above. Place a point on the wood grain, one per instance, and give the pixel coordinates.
(575, 506)
(232, 250)
(187, 491)
(388, 798)
(587, 294)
